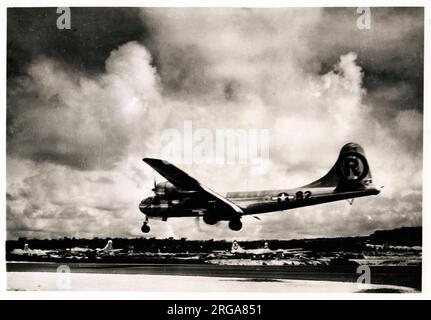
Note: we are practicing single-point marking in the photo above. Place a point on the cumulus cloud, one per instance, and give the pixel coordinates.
(80, 121)
(76, 139)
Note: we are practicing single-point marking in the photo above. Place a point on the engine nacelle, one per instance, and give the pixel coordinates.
(164, 189)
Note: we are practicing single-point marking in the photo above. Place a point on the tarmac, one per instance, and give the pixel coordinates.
(35, 276)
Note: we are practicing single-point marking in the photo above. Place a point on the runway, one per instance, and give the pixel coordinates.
(205, 278)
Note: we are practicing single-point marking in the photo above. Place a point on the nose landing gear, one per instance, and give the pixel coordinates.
(145, 227)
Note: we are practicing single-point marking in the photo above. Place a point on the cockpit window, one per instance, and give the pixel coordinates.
(147, 201)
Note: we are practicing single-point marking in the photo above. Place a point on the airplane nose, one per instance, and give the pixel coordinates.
(146, 205)
(143, 207)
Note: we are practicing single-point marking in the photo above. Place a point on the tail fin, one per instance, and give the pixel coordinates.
(236, 247)
(108, 246)
(350, 172)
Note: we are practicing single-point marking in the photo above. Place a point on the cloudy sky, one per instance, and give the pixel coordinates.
(85, 105)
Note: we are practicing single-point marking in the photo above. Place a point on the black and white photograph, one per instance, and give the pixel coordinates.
(187, 150)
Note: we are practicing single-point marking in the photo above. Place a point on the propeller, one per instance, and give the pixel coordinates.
(155, 185)
(198, 223)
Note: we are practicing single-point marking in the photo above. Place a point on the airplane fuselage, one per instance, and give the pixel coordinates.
(251, 202)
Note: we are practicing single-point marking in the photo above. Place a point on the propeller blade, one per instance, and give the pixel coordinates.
(198, 223)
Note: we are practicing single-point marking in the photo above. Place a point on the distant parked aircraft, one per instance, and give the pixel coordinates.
(108, 249)
(26, 251)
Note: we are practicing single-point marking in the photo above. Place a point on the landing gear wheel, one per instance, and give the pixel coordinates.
(235, 224)
(208, 219)
(145, 228)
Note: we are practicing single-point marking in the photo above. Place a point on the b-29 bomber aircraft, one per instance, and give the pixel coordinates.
(184, 196)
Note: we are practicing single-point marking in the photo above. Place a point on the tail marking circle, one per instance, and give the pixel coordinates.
(353, 167)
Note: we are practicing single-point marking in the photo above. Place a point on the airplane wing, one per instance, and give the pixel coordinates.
(183, 181)
(174, 175)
